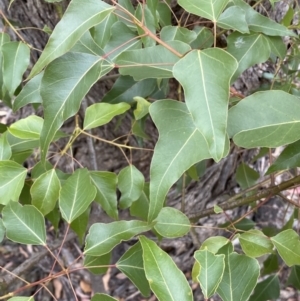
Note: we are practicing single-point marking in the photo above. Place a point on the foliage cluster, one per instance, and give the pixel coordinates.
(92, 39)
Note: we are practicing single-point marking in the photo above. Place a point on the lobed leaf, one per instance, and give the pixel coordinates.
(207, 101)
(180, 145)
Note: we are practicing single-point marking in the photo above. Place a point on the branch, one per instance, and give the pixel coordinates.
(233, 203)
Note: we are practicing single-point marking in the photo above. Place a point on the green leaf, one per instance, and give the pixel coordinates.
(288, 245)
(211, 271)
(246, 176)
(289, 158)
(27, 128)
(86, 44)
(102, 32)
(208, 9)
(164, 14)
(12, 177)
(15, 62)
(268, 289)
(277, 46)
(184, 144)
(294, 277)
(255, 244)
(131, 264)
(214, 244)
(122, 39)
(144, 14)
(172, 223)
(106, 185)
(142, 107)
(45, 191)
(5, 149)
(97, 264)
(130, 183)
(20, 145)
(78, 18)
(239, 279)
(167, 282)
(126, 88)
(2, 230)
(79, 225)
(102, 113)
(150, 62)
(24, 224)
(102, 238)
(102, 297)
(65, 82)
(204, 38)
(248, 49)
(176, 33)
(271, 265)
(140, 207)
(265, 119)
(233, 18)
(207, 101)
(30, 93)
(76, 195)
(259, 23)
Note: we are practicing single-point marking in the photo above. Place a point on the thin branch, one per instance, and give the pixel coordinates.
(233, 203)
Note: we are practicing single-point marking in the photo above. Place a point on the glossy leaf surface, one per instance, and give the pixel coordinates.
(102, 238)
(12, 176)
(211, 271)
(131, 264)
(239, 279)
(207, 101)
(167, 282)
(255, 244)
(130, 183)
(24, 224)
(101, 113)
(15, 63)
(106, 185)
(208, 9)
(45, 191)
(27, 128)
(184, 144)
(172, 223)
(78, 18)
(76, 195)
(150, 62)
(64, 84)
(250, 126)
(287, 244)
(30, 93)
